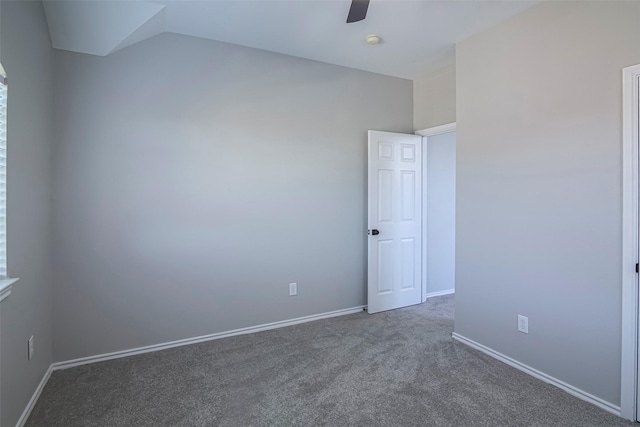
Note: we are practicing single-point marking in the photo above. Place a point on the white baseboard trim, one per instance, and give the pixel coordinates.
(163, 346)
(34, 398)
(580, 394)
(440, 293)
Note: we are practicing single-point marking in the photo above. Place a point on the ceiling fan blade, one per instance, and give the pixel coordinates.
(357, 11)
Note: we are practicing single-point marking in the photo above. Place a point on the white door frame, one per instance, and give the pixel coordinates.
(426, 133)
(630, 220)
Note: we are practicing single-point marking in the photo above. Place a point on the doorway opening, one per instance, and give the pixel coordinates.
(411, 217)
(438, 207)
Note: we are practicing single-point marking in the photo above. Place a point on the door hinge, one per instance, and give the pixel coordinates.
(637, 268)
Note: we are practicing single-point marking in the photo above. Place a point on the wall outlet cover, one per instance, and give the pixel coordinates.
(523, 324)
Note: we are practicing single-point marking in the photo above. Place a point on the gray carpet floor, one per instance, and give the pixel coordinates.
(398, 368)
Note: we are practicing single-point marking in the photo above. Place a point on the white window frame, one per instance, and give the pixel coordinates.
(6, 283)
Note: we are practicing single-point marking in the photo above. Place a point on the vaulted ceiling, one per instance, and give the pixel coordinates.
(418, 37)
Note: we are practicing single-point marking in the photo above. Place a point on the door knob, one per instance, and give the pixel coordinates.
(375, 232)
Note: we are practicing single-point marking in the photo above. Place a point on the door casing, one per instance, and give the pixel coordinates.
(629, 397)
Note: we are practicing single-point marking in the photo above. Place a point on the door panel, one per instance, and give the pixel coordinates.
(385, 195)
(407, 260)
(395, 210)
(407, 195)
(385, 266)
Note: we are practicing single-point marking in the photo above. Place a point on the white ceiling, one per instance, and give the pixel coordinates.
(419, 37)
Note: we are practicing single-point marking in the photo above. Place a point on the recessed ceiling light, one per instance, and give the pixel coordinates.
(373, 39)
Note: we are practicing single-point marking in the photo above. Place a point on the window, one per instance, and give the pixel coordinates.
(3, 174)
(5, 282)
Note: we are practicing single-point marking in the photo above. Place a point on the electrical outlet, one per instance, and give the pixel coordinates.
(30, 348)
(523, 324)
(293, 289)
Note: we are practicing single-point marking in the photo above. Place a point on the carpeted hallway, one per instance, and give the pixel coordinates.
(399, 368)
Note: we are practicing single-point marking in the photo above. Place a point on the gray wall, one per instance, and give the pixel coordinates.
(539, 188)
(195, 179)
(27, 57)
(441, 212)
(434, 98)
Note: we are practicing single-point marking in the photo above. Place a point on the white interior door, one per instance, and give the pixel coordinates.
(395, 218)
